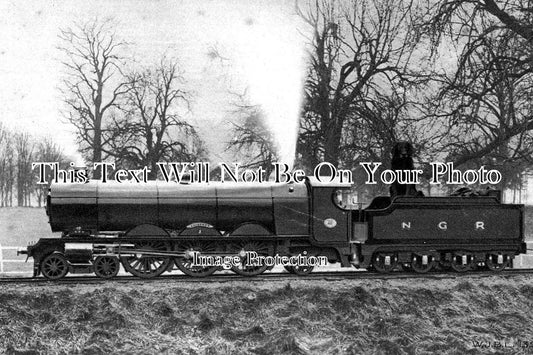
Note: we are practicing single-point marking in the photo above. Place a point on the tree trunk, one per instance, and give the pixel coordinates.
(97, 146)
(332, 142)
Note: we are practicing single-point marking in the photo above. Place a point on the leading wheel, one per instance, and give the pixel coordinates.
(384, 262)
(252, 255)
(496, 261)
(54, 266)
(145, 263)
(106, 267)
(187, 262)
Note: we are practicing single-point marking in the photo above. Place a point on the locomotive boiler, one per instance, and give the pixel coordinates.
(150, 228)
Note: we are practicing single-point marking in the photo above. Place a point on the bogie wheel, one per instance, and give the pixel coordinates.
(247, 252)
(496, 261)
(144, 265)
(384, 262)
(186, 263)
(422, 263)
(462, 262)
(106, 267)
(54, 266)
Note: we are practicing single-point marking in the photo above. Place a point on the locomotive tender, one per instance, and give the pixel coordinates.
(150, 228)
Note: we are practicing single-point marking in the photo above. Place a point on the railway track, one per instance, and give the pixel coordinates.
(283, 276)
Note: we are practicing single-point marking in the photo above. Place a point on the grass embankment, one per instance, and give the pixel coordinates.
(356, 317)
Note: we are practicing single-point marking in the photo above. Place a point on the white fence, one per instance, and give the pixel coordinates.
(3, 261)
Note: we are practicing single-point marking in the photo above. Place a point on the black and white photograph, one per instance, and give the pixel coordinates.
(266, 177)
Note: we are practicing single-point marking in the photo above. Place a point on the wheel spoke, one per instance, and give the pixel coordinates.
(147, 266)
(106, 267)
(186, 266)
(136, 263)
(54, 266)
(262, 249)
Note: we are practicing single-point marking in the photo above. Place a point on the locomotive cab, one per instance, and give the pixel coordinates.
(331, 221)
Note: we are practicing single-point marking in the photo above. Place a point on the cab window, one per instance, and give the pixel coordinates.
(345, 199)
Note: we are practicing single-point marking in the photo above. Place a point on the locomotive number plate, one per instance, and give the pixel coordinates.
(330, 223)
(199, 224)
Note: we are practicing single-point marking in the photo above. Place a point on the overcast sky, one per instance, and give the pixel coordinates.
(261, 41)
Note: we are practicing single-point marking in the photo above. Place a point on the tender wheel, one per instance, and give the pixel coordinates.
(248, 266)
(106, 267)
(422, 263)
(54, 266)
(185, 264)
(147, 266)
(384, 262)
(462, 262)
(497, 261)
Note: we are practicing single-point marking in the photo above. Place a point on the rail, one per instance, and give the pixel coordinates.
(3, 261)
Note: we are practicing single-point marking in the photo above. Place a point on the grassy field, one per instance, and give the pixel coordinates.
(450, 316)
(18, 227)
(21, 225)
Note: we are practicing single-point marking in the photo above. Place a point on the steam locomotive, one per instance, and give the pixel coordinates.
(151, 228)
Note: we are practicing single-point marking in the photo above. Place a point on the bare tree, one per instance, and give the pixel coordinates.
(460, 17)
(253, 141)
(359, 63)
(24, 148)
(4, 135)
(484, 104)
(47, 151)
(153, 128)
(93, 84)
(7, 167)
